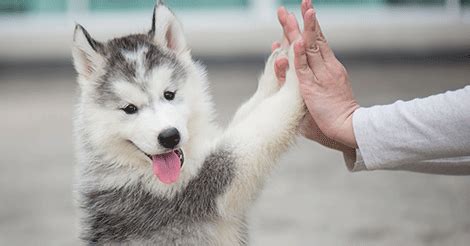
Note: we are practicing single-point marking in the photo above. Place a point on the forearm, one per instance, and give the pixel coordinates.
(447, 166)
(407, 133)
(246, 108)
(267, 85)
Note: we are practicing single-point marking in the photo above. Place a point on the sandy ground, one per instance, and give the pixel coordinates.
(311, 199)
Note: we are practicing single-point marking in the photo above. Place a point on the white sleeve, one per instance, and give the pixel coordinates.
(425, 135)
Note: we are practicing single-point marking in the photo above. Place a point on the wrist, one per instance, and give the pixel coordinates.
(349, 137)
(346, 135)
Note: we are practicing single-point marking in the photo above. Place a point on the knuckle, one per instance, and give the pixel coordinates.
(337, 70)
(321, 38)
(327, 76)
(314, 48)
(305, 70)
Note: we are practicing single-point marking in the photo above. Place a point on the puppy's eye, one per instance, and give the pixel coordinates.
(169, 95)
(130, 109)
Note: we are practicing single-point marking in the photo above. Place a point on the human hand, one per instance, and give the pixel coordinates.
(308, 126)
(324, 82)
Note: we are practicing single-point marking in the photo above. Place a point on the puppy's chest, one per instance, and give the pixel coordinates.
(132, 212)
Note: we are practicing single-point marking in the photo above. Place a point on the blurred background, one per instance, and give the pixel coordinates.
(393, 49)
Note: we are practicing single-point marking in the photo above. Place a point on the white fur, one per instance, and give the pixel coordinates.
(262, 129)
(262, 134)
(168, 30)
(137, 57)
(87, 61)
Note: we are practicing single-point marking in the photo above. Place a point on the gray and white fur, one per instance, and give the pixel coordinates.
(121, 201)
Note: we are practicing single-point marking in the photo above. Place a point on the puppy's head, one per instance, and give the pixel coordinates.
(136, 95)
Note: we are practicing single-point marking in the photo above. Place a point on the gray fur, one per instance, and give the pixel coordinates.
(244, 235)
(95, 45)
(120, 215)
(134, 211)
(119, 68)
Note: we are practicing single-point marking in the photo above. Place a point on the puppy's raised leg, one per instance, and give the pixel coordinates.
(267, 86)
(259, 138)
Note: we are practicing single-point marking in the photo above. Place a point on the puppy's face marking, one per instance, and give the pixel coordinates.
(137, 89)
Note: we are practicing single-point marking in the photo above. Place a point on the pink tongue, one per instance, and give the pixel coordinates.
(167, 167)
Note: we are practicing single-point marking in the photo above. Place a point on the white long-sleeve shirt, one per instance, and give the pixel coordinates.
(430, 135)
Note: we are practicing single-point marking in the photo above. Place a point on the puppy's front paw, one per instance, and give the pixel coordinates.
(292, 81)
(269, 83)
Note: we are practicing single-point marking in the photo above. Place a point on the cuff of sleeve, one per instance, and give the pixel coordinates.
(362, 128)
(354, 161)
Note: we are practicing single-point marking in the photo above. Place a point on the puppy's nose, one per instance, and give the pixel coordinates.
(169, 138)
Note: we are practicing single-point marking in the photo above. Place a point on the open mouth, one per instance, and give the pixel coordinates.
(178, 152)
(167, 166)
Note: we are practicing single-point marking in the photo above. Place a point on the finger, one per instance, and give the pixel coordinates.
(325, 49)
(289, 25)
(282, 16)
(291, 30)
(306, 5)
(280, 68)
(310, 36)
(303, 7)
(302, 68)
(276, 45)
(285, 42)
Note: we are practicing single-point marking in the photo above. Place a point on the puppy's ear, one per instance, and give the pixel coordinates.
(167, 30)
(87, 59)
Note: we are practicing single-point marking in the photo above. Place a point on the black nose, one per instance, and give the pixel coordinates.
(169, 138)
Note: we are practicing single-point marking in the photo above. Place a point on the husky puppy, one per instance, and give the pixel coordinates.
(153, 167)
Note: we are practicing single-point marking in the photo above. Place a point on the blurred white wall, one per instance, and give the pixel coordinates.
(246, 31)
